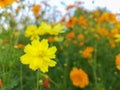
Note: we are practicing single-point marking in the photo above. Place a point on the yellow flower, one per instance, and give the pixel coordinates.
(117, 37)
(56, 29)
(32, 32)
(79, 78)
(39, 56)
(44, 28)
(52, 30)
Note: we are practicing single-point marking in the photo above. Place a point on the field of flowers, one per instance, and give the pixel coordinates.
(80, 52)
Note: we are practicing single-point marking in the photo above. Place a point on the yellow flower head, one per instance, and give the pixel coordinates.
(56, 29)
(44, 28)
(39, 56)
(79, 78)
(117, 37)
(32, 32)
(52, 30)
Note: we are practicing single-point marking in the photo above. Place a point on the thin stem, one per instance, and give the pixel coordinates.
(21, 78)
(38, 80)
(53, 82)
(4, 74)
(95, 67)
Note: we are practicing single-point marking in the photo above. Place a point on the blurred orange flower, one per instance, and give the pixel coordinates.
(81, 43)
(70, 35)
(51, 39)
(36, 9)
(0, 83)
(81, 37)
(71, 22)
(86, 53)
(118, 61)
(70, 7)
(79, 78)
(112, 43)
(103, 32)
(46, 83)
(114, 32)
(19, 46)
(81, 21)
(5, 3)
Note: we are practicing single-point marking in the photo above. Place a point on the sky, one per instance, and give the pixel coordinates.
(110, 5)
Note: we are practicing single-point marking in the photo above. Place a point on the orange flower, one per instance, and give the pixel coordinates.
(63, 19)
(70, 7)
(0, 83)
(81, 21)
(103, 32)
(118, 61)
(112, 17)
(81, 43)
(71, 22)
(114, 31)
(79, 78)
(112, 43)
(5, 3)
(51, 39)
(81, 37)
(70, 35)
(19, 46)
(36, 9)
(87, 52)
(46, 83)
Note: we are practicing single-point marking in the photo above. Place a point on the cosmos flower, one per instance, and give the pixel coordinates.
(0, 83)
(79, 78)
(32, 32)
(118, 61)
(5, 3)
(45, 28)
(36, 9)
(38, 55)
(117, 38)
(86, 53)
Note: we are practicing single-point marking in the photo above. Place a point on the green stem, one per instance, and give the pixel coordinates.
(53, 82)
(4, 74)
(94, 67)
(38, 80)
(21, 78)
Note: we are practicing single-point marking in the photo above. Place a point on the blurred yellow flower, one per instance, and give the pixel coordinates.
(79, 78)
(117, 38)
(39, 56)
(118, 61)
(56, 29)
(45, 28)
(32, 32)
